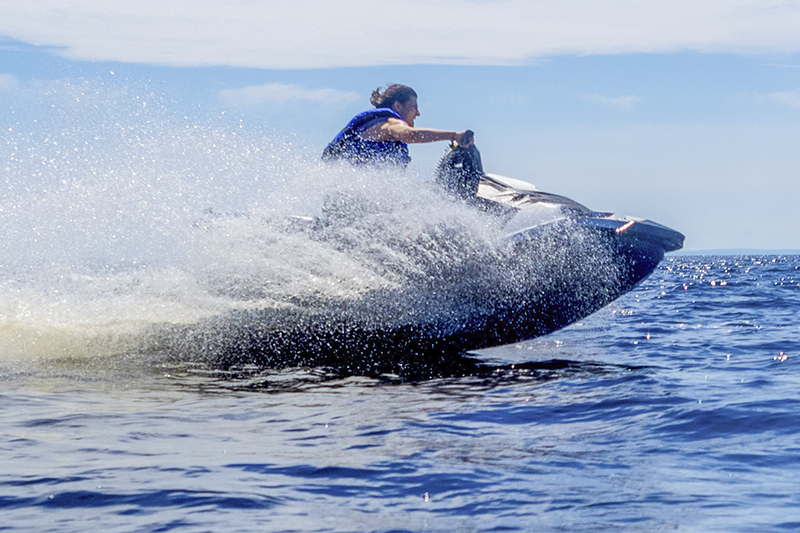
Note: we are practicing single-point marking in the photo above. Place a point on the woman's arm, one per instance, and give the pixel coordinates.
(398, 130)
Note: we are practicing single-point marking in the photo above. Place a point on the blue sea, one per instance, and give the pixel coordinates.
(129, 234)
(672, 409)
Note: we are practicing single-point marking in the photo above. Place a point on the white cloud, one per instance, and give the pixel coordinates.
(786, 99)
(7, 82)
(322, 33)
(280, 94)
(625, 103)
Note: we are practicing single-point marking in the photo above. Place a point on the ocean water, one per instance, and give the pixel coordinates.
(674, 408)
(131, 237)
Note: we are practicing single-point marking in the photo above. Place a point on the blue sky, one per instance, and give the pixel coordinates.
(687, 113)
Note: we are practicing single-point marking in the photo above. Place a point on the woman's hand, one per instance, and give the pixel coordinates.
(465, 138)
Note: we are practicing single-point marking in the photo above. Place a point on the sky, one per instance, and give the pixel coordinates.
(685, 112)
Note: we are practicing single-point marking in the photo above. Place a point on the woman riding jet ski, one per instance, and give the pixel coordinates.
(381, 136)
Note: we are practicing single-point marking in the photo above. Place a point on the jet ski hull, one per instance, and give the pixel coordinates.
(347, 341)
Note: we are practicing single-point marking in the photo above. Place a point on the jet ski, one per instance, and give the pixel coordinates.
(557, 262)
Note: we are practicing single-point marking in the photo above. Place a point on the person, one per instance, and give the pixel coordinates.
(381, 136)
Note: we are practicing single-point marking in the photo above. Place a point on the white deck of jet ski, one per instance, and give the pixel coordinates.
(537, 209)
(517, 193)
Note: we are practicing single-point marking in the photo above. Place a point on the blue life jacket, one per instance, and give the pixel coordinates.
(348, 145)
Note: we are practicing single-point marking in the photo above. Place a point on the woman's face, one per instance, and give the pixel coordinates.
(408, 110)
